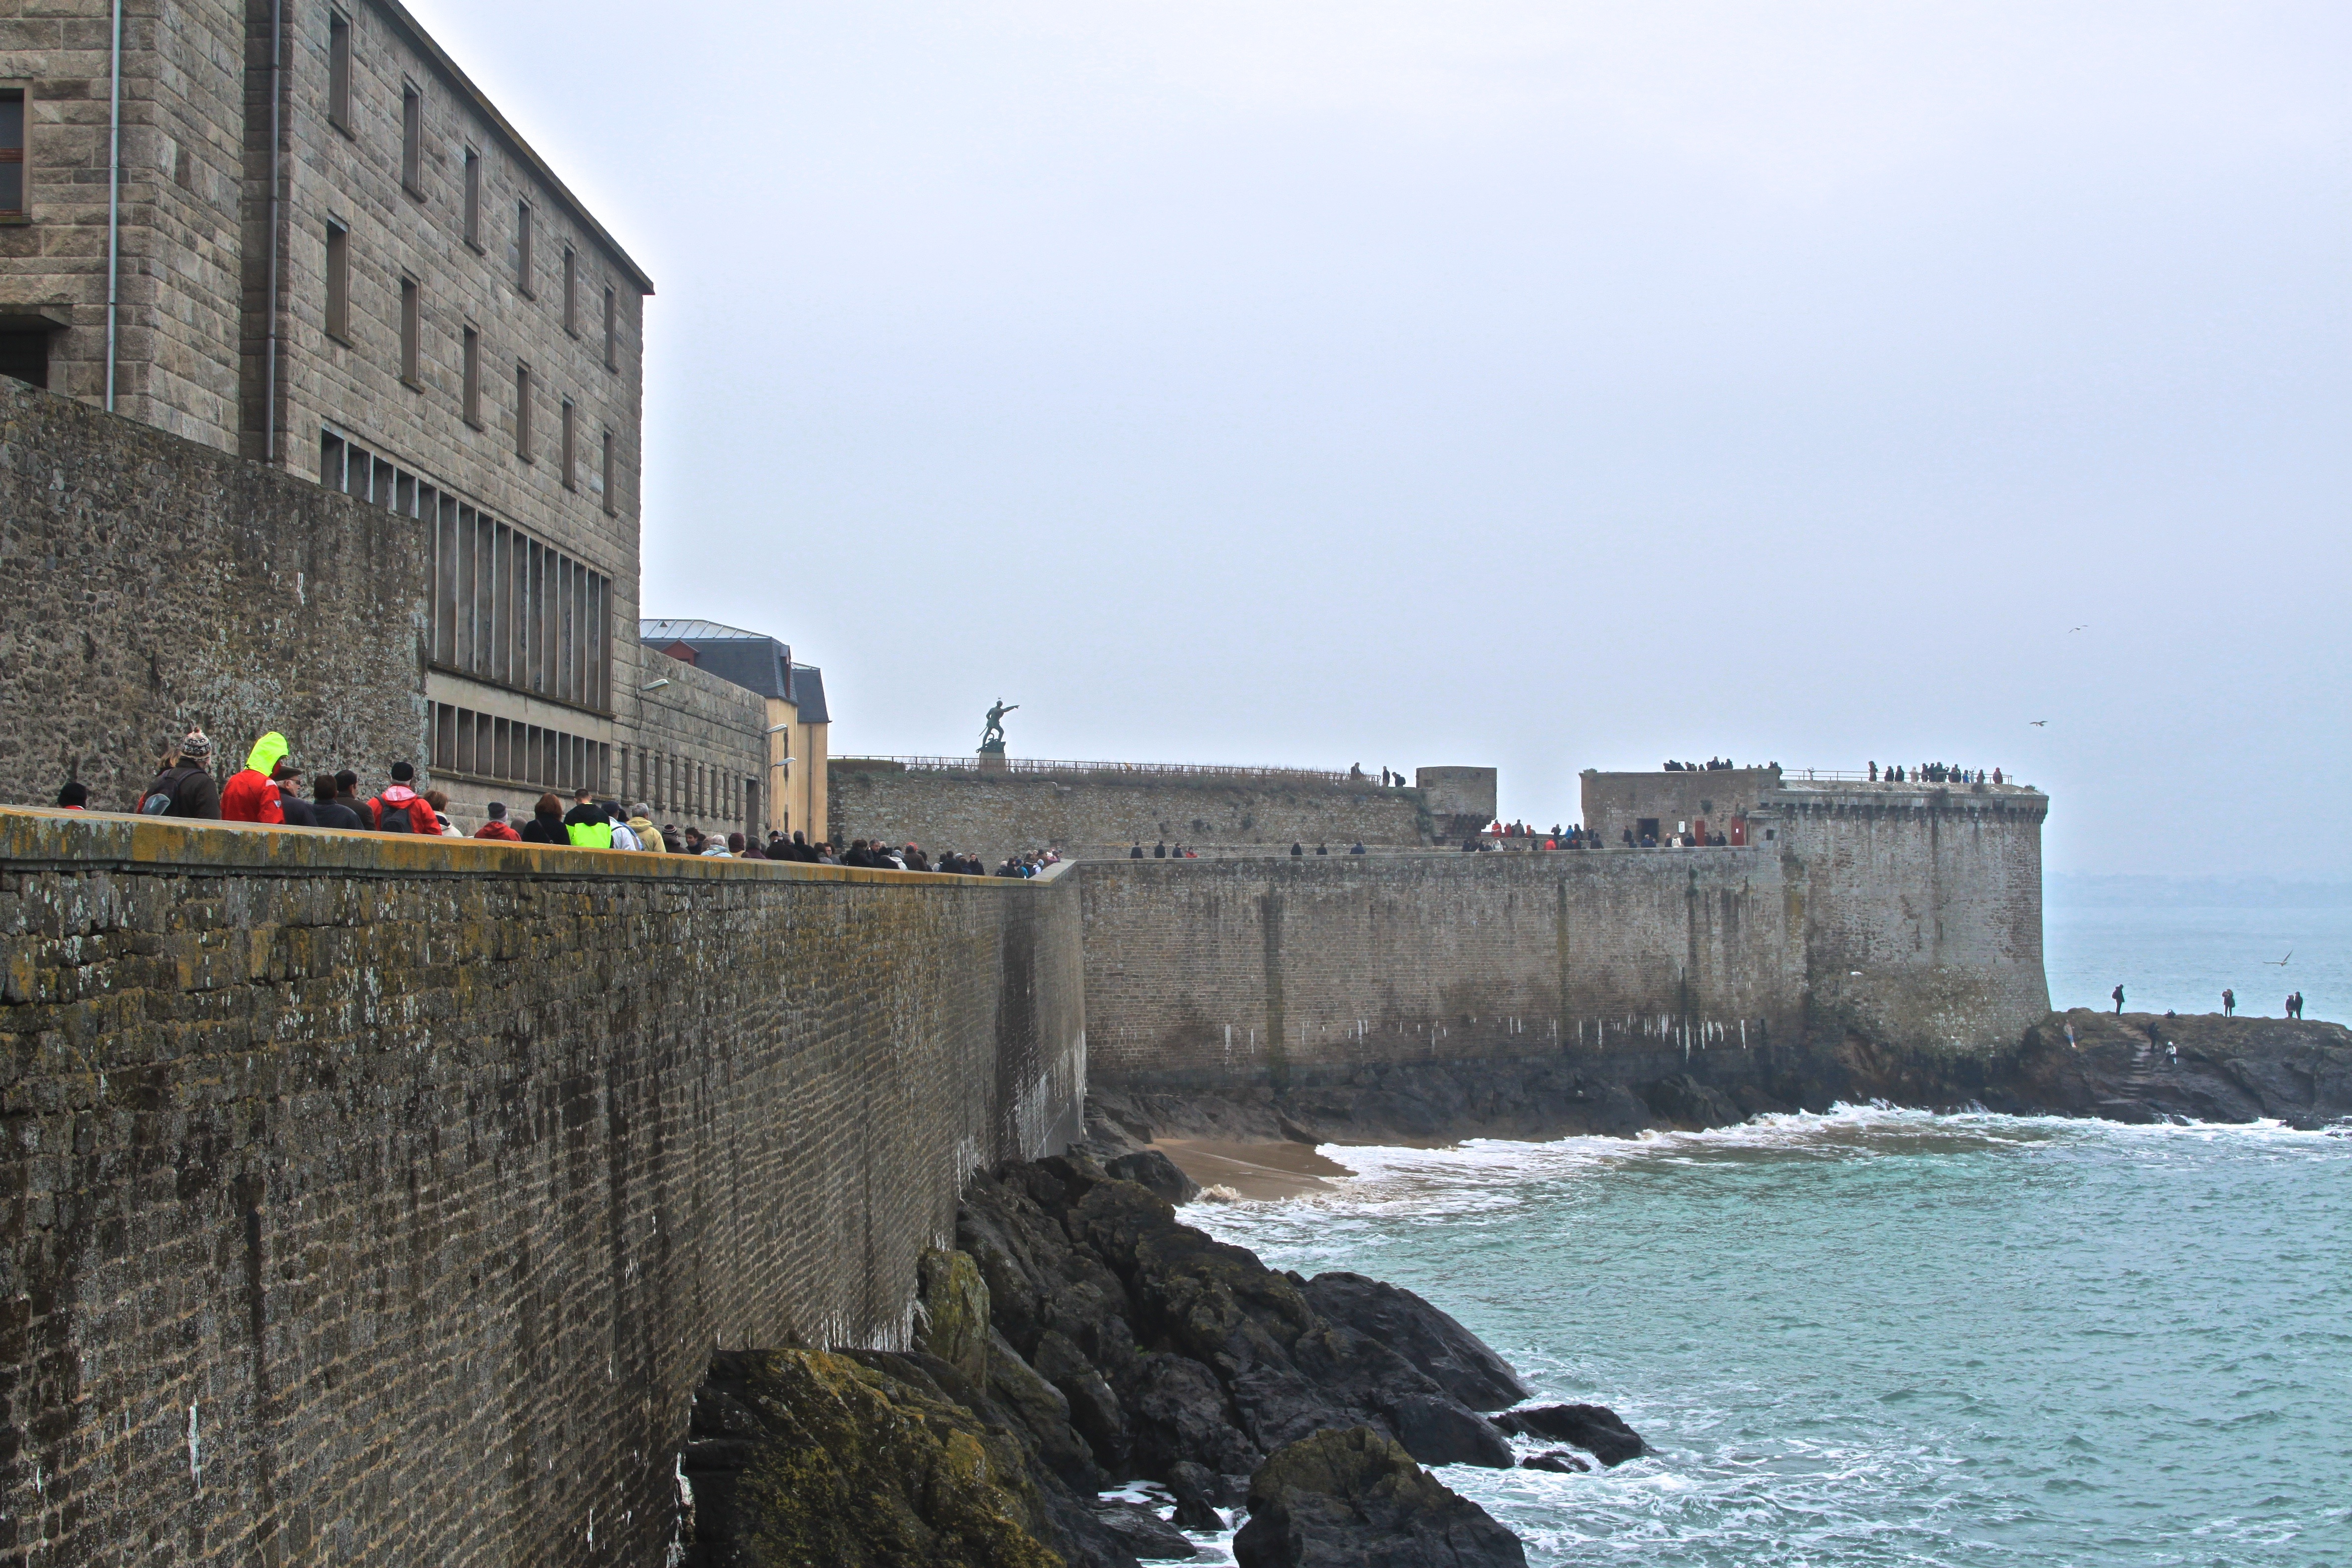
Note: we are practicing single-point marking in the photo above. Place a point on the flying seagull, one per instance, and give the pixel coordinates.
(2280, 963)
(2038, 724)
(2071, 630)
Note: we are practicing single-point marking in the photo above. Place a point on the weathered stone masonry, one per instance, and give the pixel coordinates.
(380, 1200)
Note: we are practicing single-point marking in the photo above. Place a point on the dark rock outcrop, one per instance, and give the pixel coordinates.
(1145, 1533)
(1354, 1499)
(1155, 1172)
(1455, 1358)
(1212, 1357)
(1595, 1429)
(801, 1457)
(1558, 1461)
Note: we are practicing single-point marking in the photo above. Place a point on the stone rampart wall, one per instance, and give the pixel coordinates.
(996, 816)
(1922, 917)
(153, 583)
(380, 1200)
(1224, 972)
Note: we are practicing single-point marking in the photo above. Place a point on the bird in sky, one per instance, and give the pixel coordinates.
(2038, 724)
(2071, 630)
(2280, 963)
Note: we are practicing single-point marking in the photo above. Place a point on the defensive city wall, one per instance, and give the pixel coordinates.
(1909, 913)
(380, 1200)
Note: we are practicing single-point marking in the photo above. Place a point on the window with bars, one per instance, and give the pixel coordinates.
(507, 608)
(508, 750)
(14, 202)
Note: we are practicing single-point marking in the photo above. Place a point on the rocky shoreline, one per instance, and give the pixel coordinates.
(1078, 1336)
(2203, 1068)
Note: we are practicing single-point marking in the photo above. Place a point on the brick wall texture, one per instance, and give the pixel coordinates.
(375, 1200)
(994, 817)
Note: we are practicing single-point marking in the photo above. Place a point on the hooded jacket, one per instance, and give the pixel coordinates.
(421, 818)
(649, 835)
(251, 797)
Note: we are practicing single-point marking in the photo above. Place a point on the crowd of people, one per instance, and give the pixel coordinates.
(1712, 765)
(1931, 773)
(271, 789)
(1500, 834)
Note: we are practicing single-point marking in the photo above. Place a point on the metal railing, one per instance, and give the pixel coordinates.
(1050, 765)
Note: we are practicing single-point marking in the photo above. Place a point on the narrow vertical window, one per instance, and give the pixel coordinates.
(523, 249)
(339, 71)
(473, 378)
(607, 475)
(339, 282)
(570, 477)
(473, 198)
(412, 139)
(408, 332)
(612, 330)
(522, 412)
(13, 202)
(570, 291)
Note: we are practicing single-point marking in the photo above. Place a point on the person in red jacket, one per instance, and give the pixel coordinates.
(252, 796)
(497, 826)
(400, 809)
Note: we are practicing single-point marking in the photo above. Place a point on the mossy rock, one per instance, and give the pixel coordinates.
(855, 1469)
(952, 1323)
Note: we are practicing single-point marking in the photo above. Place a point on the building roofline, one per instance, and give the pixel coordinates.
(425, 44)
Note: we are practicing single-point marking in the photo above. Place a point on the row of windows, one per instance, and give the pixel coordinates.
(412, 335)
(513, 751)
(508, 750)
(506, 609)
(412, 180)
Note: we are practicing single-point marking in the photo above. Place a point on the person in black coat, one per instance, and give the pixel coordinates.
(546, 824)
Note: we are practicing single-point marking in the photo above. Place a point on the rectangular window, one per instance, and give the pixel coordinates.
(522, 412)
(571, 291)
(409, 330)
(607, 474)
(473, 378)
(13, 202)
(612, 330)
(571, 473)
(473, 198)
(523, 249)
(339, 71)
(339, 282)
(412, 139)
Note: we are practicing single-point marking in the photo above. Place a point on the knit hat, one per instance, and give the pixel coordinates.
(498, 810)
(197, 744)
(402, 773)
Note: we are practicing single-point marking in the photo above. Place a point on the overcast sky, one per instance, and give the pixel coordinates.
(1542, 385)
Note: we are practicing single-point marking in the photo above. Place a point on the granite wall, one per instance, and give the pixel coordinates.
(1210, 974)
(995, 815)
(379, 1200)
(155, 584)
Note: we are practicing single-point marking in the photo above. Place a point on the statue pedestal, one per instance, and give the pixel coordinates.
(992, 757)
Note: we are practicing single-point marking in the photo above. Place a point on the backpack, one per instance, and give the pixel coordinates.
(161, 794)
(394, 821)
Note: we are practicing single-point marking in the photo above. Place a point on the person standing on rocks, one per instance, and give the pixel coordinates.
(2119, 1000)
(2229, 1004)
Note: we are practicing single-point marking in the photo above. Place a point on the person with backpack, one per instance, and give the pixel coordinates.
(623, 836)
(251, 794)
(497, 826)
(400, 809)
(546, 824)
(183, 786)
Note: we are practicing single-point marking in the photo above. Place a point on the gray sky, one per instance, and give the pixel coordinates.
(1541, 385)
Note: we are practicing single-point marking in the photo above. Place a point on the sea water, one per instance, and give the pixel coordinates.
(2175, 944)
(1879, 1337)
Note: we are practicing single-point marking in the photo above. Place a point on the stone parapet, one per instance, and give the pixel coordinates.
(378, 1199)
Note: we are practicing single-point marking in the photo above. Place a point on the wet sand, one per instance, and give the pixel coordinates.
(1253, 1171)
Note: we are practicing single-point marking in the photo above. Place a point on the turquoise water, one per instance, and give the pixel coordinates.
(1892, 1338)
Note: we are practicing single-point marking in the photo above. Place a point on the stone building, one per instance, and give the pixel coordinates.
(300, 234)
(796, 725)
